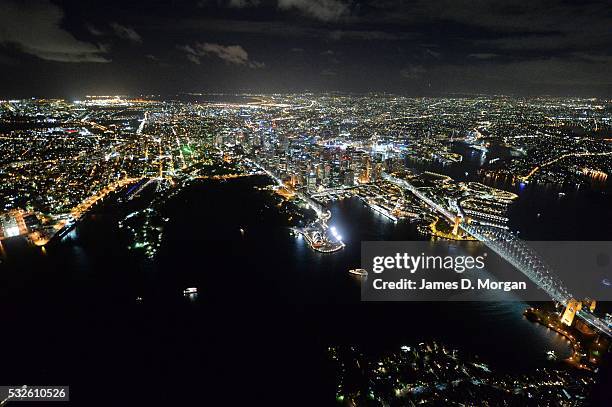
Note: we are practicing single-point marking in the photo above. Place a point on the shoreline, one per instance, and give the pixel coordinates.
(577, 357)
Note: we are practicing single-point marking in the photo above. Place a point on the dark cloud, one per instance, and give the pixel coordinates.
(512, 24)
(412, 45)
(546, 71)
(601, 59)
(127, 33)
(193, 58)
(232, 54)
(93, 30)
(324, 10)
(35, 28)
(433, 54)
(368, 35)
(229, 3)
(283, 29)
(483, 55)
(6, 60)
(243, 3)
(412, 72)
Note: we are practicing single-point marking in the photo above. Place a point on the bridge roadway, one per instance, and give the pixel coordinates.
(514, 251)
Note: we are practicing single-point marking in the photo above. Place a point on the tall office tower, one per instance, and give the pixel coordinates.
(349, 178)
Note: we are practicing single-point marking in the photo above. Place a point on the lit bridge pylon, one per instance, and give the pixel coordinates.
(521, 256)
(512, 249)
(516, 252)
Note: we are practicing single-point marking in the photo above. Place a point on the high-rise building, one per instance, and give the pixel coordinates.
(349, 178)
(376, 172)
(312, 182)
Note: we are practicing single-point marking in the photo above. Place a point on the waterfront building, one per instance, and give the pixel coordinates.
(12, 224)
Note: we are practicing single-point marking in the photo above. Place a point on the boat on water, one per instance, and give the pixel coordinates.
(189, 291)
(359, 272)
(479, 147)
(551, 355)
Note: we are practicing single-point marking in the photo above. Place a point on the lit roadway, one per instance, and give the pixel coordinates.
(142, 123)
(81, 208)
(405, 184)
(514, 251)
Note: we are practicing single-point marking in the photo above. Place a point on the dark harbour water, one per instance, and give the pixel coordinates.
(267, 309)
(541, 213)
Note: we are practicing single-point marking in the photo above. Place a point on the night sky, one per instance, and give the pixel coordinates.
(415, 48)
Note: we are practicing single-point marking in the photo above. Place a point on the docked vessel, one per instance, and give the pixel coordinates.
(359, 272)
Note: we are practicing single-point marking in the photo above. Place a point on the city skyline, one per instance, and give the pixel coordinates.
(306, 202)
(264, 205)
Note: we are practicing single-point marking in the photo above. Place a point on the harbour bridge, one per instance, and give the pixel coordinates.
(516, 252)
